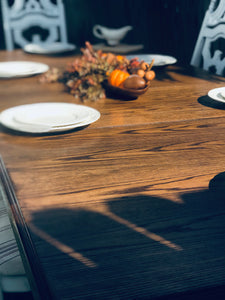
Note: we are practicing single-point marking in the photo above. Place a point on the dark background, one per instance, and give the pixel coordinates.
(162, 26)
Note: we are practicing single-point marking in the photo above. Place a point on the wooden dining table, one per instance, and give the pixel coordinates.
(131, 206)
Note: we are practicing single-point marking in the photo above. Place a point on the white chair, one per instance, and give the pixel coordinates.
(35, 14)
(212, 29)
(12, 274)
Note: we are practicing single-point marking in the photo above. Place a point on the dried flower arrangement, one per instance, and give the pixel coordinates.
(84, 76)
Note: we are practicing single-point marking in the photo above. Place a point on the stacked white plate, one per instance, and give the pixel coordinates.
(159, 60)
(48, 117)
(54, 48)
(13, 69)
(217, 94)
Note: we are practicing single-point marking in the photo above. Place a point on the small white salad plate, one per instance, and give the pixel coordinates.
(54, 48)
(48, 117)
(159, 60)
(217, 94)
(13, 69)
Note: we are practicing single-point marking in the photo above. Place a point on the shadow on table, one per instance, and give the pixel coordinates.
(197, 72)
(165, 73)
(207, 101)
(56, 133)
(212, 293)
(137, 247)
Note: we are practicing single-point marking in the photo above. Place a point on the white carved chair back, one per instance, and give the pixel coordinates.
(25, 14)
(212, 29)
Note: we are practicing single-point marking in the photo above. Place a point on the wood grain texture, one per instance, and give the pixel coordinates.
(132, 206)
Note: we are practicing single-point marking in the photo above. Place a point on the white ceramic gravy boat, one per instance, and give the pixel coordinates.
(111, 35)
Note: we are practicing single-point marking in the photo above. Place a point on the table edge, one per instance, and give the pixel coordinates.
(36, 277)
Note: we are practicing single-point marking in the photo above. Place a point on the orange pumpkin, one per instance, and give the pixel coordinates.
(117, 76)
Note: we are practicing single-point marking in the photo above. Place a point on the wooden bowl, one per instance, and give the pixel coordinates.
(125, 93)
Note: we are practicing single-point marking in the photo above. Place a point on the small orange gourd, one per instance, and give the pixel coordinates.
(117, 76)
(149, 75)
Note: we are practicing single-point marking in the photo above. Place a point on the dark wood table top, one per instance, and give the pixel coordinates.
(130, 207)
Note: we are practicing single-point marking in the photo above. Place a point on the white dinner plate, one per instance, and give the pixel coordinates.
(50, 114)
(53, 48)
(159, 60)
(217, 94)
(12, 69)
(83, 115)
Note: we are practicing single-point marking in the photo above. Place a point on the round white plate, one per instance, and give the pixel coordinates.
(50, 114)
(217, 94)
(53, 48)
(12, 69)
(8, 117)
(159, 60)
